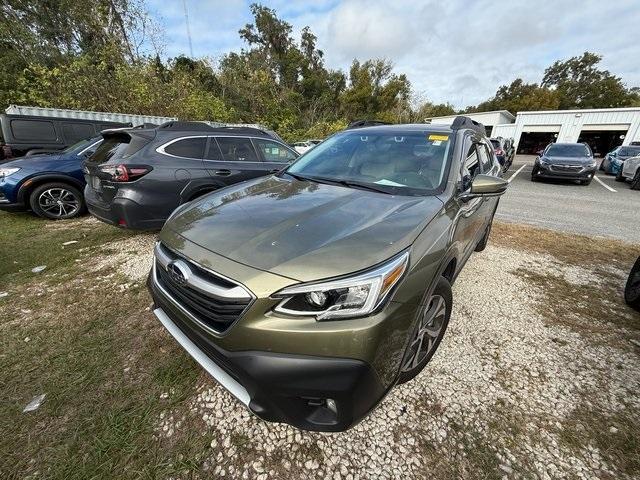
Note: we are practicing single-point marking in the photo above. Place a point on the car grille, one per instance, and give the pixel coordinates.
(211, 311)
(566, 168)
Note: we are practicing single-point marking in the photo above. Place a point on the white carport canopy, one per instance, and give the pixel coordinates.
(541, 128)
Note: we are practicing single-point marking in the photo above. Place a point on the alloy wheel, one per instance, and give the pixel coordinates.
(58, 202)
(425, 339)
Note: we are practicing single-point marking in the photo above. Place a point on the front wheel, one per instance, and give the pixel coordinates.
(632, 289)
(635, 183)
(428, 332)
(57, 201)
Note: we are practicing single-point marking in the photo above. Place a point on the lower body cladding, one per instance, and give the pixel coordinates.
(562, 173)
(308, 391)
(124, 212)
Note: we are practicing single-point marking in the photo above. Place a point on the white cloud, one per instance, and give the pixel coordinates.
(456, 51)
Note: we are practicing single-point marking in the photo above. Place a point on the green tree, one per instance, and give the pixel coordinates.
(520, 96)
(581, 84)
(374, 92)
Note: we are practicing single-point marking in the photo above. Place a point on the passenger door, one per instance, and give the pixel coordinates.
(275, 156)
(470, 217)
(231, 160)
(489, 166)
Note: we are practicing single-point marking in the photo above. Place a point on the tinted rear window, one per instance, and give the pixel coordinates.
(119, 146)
(38, 130)
(188, 147)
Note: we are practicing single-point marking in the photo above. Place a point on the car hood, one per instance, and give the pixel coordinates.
(567, 160)
(33, 162)
(304, 230)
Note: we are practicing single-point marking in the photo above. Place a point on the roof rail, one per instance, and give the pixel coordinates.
(366, 123)
(465, 122)
(219, 128)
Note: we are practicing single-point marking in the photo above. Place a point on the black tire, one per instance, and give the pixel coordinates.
(619, 177)
(442, 291)
(635, 183)
(57, 201)
(632, 288)
(601, 167)
(585, 182)
(534, 174)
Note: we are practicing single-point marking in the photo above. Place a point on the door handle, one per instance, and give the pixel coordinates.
(223, 173)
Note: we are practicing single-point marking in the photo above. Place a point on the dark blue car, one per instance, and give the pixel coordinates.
(50, 185)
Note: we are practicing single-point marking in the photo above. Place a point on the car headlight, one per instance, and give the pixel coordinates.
(348, 297)
(544, 162)
(5, 172)
(592, 164)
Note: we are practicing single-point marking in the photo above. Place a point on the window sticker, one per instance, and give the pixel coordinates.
(439, 138)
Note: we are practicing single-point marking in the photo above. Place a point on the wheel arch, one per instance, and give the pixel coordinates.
(30, 184)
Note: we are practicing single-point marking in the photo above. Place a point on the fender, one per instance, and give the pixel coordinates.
(198, 187)
(40, 178)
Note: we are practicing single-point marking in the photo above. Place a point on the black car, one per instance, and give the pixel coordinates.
(138, 176)
(566, 161)
(29, 135)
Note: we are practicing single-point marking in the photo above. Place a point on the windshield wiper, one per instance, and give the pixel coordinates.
(351, 184)
(298, 177)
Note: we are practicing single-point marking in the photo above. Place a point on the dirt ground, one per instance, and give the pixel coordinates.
(537, 376)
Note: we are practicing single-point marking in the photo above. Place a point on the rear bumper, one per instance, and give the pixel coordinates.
(121, 212)
(308, 392)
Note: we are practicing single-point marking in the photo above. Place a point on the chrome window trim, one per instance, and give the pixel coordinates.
(87, 148)
(161, 148)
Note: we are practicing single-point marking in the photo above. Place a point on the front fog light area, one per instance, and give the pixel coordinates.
(343, 298)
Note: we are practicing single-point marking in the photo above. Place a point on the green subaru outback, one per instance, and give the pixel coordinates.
(310, 293)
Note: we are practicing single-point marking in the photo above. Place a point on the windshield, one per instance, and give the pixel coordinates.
(629, 151)
(410, 163)
(559, 150)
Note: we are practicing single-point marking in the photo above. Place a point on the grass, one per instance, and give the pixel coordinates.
(97, 354)
(573, 249)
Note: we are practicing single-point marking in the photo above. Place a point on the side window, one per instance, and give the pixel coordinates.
(274, 152)
(486, 160)
(236, 149)
(213, 152)
(35, 130)
(471, 167)
(187, 147)
(72, 132)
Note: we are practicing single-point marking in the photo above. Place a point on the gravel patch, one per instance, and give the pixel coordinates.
(499, 397)
(133, 256)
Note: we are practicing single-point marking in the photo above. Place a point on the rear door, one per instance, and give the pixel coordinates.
(231, 160)
(275, 155)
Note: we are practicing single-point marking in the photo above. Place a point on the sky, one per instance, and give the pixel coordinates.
(456, 51)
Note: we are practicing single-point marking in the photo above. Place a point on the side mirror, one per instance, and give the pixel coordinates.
(485, 186)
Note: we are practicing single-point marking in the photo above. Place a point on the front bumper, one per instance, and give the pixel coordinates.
(548, 171)
(306, 391)
(121, 212)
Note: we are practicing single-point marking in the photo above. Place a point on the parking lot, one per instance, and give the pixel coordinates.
(603, 208)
